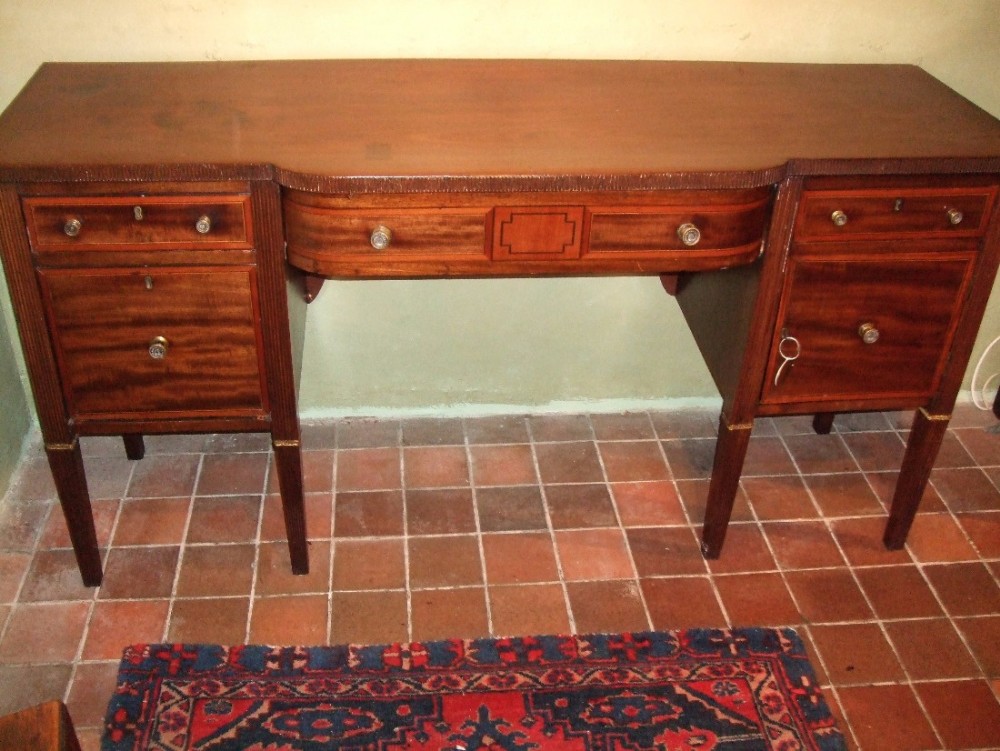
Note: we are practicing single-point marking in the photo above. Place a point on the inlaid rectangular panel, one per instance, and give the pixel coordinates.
(523, 233)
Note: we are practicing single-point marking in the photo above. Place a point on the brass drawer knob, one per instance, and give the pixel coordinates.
(158, 347)
(203, 225)
(72, 227)
(839, 218)
(955, 216)
(381, 237)
(868, 333)
(689, 234)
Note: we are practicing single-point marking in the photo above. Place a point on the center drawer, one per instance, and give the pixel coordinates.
(141, 343)
(511, 234)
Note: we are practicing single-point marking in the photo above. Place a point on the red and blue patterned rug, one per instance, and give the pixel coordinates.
(726, 690)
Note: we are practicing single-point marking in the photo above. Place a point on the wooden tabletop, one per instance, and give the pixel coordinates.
(475, 124)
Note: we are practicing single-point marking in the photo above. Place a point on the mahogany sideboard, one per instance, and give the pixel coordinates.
(830, 232)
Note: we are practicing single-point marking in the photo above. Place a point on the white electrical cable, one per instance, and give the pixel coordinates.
(977, 393)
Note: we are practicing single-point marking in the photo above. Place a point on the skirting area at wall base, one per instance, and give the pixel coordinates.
(9, 475)
(569, 407)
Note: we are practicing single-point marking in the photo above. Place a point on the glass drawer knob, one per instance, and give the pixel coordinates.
(72, 227)
(839, 218)
(381, 237)
(158, 348)
(689, 234)
(203, 225)
(868, 333)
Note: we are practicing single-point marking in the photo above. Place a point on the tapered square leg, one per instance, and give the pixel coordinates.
(922, 448)
(288, 461)
(66, 464)
(823, 422)
(730, 451)
(135, 447)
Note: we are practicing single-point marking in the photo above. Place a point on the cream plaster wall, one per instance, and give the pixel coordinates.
(478, 345)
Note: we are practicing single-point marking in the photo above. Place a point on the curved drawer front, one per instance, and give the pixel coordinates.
(524, 233)
(930, 213)
(321, 238)
(140, 343)
(138, 222)
(649, 231)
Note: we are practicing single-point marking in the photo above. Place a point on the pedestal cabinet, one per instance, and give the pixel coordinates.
(830, 232)
(154, 308)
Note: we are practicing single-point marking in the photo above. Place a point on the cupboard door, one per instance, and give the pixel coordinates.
(864, 330)
(141, 343)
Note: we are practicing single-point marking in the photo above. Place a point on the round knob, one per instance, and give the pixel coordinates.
(72, 227)
(158, 347)
(839, 218)
(689, 234)
(955, 216)
(868, 333)
(381, 237)
(203, 225)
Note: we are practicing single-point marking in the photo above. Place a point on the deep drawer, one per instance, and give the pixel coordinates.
(156, 342)
(906, 212)
(865, 330)
(138, 222)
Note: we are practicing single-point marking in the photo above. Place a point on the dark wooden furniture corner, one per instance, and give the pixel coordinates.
(829, 231)
(45, 727)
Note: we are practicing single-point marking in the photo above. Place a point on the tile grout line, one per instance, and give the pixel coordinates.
(331, 560)
(473, 487)
(571, 618)
(255, 566)
(407, 584)
(618, 518)
(182, 549)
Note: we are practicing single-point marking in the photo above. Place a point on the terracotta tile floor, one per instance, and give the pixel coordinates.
(423, 529)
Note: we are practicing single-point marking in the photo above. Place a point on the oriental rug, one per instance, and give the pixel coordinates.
(726, 690)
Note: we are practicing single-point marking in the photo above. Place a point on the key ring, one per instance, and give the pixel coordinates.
(786, 339)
